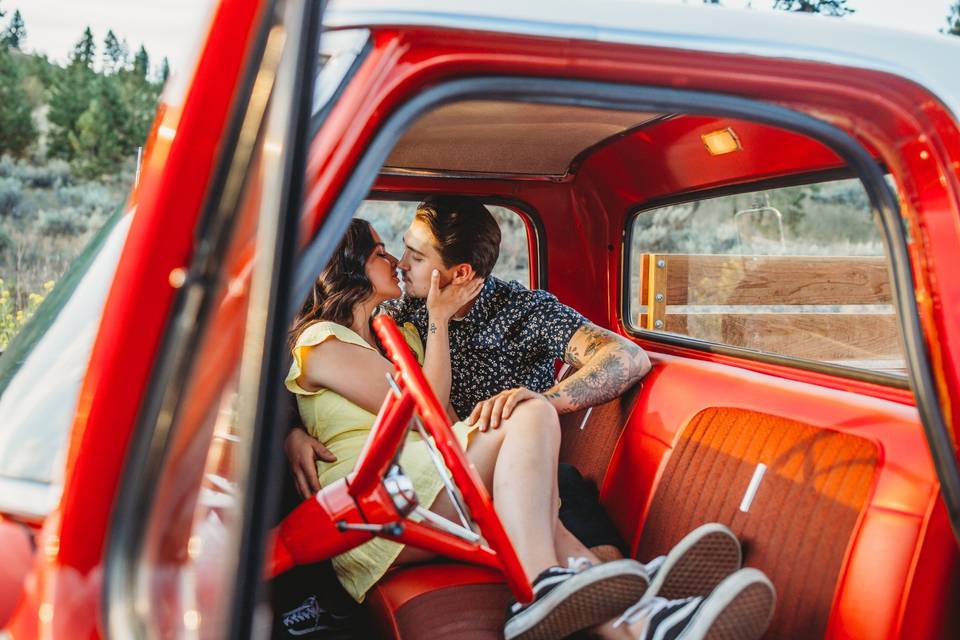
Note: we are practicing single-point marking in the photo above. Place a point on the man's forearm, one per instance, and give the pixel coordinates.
(609, 372)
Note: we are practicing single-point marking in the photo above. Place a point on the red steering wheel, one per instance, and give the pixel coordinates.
(376, 498)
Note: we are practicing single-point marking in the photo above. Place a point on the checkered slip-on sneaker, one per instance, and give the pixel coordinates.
(696, 564)
(567, 600)
(740, 608)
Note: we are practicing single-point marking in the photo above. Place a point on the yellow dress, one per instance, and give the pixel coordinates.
(343, 427)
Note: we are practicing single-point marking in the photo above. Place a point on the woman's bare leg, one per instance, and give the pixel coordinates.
(518, 464)
(568, 546)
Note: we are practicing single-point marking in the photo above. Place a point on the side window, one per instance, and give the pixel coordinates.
(392, 217)
(794, 271)
(203, 438)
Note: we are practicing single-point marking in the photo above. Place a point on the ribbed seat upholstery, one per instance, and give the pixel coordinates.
(803, 515)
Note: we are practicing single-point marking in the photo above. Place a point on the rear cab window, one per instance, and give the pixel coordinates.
(795, 271)
(392, 217)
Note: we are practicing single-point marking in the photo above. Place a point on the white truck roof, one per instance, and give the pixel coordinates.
(930, 61)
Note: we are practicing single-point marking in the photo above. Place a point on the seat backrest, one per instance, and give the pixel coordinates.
(589, 436)
(801, 519)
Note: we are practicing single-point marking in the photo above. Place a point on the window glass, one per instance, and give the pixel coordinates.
(187, 566)
(37, 407)
(797, 271)
(392, 217)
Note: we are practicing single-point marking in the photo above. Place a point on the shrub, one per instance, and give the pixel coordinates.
(6, 244)
(11, 193)
(62, 222)
(43, 176)
(13, 315)
(35, 177)
(7, 166)
(90, 198)
(25, 209)
(60, 169)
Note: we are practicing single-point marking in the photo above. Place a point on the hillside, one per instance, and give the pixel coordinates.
(69, 136)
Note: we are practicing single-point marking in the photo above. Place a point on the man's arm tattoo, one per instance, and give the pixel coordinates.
(598, 384)
(592, 339)
(596, 340)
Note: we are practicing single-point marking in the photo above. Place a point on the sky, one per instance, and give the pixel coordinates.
(172, 28)
(925, 16)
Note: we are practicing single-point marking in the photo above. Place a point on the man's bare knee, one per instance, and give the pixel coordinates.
(536, 412)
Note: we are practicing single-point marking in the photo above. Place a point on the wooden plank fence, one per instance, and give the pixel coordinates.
(745, 291)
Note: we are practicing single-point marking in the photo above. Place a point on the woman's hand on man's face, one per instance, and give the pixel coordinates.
(443, 303)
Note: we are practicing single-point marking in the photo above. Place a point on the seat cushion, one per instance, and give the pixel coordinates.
(590, 435)
(439, 600)
(799, 525)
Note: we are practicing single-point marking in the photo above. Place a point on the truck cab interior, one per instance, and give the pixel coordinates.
(699, 236)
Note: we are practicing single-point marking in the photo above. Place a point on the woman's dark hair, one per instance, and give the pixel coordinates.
(342, 284)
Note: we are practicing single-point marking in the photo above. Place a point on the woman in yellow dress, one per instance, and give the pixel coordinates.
(339, 377)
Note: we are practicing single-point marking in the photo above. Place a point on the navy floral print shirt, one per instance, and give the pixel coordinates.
(511, 337)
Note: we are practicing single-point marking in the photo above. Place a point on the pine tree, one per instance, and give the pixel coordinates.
(826, 7)
(15, 33)
(70, 97)
(953, 20)
(141, 63)
(139, 97)
(164, 70)
(98, 142)
(85, 51)
(17, 130)
(114, 53)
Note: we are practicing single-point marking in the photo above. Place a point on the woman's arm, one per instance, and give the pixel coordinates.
(356, 373)
(442, 304)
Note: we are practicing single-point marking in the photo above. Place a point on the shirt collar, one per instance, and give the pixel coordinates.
(481, 308)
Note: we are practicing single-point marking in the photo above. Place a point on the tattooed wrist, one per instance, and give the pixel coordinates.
(433, 328)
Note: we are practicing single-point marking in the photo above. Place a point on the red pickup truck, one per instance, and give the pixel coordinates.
(769, 204)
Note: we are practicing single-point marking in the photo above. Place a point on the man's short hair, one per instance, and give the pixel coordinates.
(465, 231)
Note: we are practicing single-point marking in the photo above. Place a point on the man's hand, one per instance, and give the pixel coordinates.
(490, 413)
(303, 451)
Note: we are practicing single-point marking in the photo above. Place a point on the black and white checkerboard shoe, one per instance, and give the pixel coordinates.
(696, 564)
(577, 597)
(740, 608)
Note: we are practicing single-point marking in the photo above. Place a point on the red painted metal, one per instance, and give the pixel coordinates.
(175, 178)
(310, 533)
(15, 560)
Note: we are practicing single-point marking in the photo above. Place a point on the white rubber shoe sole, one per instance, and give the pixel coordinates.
(697, 564)
(584, 600)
